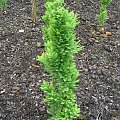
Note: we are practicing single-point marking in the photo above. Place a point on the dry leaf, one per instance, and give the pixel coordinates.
(114, 118)
(15, 90)
(108, 33)
(36, 66)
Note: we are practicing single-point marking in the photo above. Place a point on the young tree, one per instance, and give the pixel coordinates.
(102, 17)
(58, 59)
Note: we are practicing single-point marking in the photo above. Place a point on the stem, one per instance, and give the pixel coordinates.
(34, 11)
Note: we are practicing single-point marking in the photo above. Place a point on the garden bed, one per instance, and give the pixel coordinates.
(98, 63)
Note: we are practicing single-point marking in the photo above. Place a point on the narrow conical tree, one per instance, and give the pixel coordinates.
(58, 59)
(102, 17)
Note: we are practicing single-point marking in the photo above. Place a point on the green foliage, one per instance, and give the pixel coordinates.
(105, 2)
(102, 17)
(58, 59)
(3, 4)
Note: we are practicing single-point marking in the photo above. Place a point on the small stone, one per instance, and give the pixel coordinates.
(2, 91)
(118, 32)
(22, 92)
(107, 48)
(26, 43)
(95, 99)
(21, 31)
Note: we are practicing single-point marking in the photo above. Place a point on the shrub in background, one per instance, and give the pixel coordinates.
(58, 59)
(3, 4)
(102, 17)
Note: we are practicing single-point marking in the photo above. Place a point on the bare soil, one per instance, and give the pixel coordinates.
(21, 75)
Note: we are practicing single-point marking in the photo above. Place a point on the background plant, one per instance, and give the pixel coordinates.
(3, 4)
(58, 58)
(102, 17)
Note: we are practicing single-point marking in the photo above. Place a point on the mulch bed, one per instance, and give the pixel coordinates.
(21, 75)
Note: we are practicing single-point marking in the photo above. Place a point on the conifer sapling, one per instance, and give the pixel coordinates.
(102, 17)
(58, 59)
